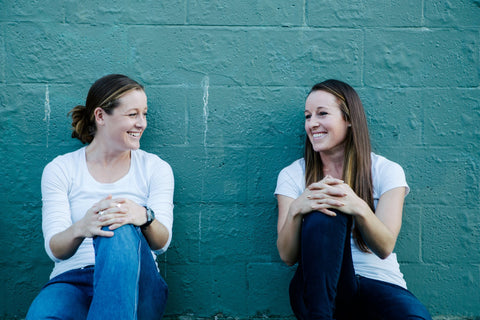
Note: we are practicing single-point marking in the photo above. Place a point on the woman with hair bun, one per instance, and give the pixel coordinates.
(107, 210)
(339, 216)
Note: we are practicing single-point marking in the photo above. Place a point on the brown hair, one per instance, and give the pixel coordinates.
(357, 170)
(104, 93)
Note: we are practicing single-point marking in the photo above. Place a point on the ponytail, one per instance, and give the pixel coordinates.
(83, 128)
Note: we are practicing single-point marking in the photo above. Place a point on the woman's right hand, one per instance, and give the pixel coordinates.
(64, 244)
(90, 225)
(319, 196)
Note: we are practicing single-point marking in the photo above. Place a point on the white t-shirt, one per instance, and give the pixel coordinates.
(68, 191)
(386, 175)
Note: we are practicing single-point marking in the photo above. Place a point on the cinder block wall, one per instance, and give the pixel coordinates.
(226, 82)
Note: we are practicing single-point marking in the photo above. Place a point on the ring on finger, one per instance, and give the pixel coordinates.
(101, 212)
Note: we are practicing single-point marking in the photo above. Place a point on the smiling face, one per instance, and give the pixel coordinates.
(325, 125)
(124, 127)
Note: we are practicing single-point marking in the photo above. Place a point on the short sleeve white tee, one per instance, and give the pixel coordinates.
(386, 175)
(68, 191)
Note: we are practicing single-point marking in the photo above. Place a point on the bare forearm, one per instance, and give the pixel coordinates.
(288, 240)
(156, 235)
(376, 235)
(65, 244)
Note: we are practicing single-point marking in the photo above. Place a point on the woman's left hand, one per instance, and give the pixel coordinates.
(349, 201)
(122, 211)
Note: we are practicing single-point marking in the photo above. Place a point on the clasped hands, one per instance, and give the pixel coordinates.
(329, 193)
(113, 213)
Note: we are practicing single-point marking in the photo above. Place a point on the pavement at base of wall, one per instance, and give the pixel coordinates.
(263, 317)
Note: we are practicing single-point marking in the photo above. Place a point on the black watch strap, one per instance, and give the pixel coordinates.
(150, 217)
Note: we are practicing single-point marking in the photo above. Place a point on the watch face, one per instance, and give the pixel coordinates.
(150, 214)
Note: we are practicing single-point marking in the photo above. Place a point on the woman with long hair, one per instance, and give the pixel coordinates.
(107, 208)
(339, 216)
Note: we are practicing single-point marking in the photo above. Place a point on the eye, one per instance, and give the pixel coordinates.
(322, 113)
(132, 115)
(308, 116)
(145, 114)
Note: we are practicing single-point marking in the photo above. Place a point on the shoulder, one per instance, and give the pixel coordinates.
(65, 162)
(381, 163)
(387, 174)
(295, 168)
(150, 161)
(291, 180)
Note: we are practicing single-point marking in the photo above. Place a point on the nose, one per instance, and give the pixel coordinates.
(141, 121)
(313, 123)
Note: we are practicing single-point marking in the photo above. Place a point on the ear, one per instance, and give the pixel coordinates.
(99, 116)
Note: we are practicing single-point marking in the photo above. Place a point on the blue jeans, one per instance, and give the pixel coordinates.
(325, 285)
(123, 284)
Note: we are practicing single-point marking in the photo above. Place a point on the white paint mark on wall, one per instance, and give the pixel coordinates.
(47, 110)
(205, 84)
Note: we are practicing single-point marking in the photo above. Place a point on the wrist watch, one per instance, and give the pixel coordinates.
(150, 217)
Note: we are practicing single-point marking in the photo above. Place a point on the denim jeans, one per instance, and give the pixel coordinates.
(325, 285)
(123, 284)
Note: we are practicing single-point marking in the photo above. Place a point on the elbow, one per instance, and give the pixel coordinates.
(286, 258)
(384, 253)
(289, 262)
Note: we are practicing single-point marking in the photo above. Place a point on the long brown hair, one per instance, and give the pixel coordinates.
(104, 93)
(357, 169)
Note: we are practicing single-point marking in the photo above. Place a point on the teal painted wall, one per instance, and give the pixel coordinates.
(226, 82)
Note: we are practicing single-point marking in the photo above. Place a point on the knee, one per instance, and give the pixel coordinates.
(123, 238)
(317, 222)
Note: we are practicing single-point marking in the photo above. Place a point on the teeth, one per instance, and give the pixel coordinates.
(134, 134)
(318, 135)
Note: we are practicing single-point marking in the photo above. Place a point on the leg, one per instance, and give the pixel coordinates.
(126, 278)
(314, 287)
(66, 296)
(153, 289)
(382, 300)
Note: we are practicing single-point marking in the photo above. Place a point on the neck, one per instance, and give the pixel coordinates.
(333, 163)
(99, 153)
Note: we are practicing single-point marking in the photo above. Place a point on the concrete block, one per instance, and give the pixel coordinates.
(449, 233)
(459, 13)
(264, 165)
(190, 290)
(421, 57)
(238, 233)
(166, 106)
(384, 13)
(126, 12)
(395, 116)
(408, 247)
(458, 128)
(205, 289)
(245, 116)
(187, 230)
(245, 13)
(228, 281)
(24, 10)
(237, 57)
(437, 286)
(268, 289)
(217, 174)
(36, 115)
(41, 52)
